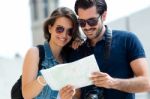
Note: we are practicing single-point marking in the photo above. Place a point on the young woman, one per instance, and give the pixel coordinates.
(60, 29)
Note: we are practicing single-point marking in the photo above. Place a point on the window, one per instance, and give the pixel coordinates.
(35, 10)
(45, 8)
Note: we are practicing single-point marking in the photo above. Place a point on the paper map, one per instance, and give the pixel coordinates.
(76, 73)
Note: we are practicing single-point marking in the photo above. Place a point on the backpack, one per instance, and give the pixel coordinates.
(16, 91)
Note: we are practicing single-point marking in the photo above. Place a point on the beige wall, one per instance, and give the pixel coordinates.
(140, 24)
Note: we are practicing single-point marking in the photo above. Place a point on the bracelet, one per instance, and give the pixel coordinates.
(39, 81)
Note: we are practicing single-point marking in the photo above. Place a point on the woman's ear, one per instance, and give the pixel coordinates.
(104, 16)
(49, 28)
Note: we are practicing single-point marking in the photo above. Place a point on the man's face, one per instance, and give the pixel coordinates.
(90, 21)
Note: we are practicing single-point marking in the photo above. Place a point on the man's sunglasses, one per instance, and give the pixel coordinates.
(61, 29)
(90, 22)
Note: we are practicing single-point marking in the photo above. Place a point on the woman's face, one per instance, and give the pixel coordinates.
(61, 32)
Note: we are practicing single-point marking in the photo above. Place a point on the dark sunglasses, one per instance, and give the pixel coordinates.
(61, 29)
(90, 22)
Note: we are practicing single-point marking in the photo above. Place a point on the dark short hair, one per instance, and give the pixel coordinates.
(101, 5)
(61, 12)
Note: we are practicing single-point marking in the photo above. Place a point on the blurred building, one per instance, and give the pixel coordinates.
(138, 23)
(40, 9)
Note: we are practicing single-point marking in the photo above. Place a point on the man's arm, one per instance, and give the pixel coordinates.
(140, 83)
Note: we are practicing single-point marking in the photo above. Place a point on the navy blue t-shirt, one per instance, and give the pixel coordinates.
(125, 47)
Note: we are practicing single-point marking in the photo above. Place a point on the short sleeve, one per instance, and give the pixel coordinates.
(134, 47)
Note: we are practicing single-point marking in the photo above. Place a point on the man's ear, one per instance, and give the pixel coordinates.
(104, 16)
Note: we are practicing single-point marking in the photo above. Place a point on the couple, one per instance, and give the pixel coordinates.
(124, 73)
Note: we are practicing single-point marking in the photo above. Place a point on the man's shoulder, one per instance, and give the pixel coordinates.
(122, 34)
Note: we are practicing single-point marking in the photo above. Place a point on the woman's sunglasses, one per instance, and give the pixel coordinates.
(90, 22)
(61, 29)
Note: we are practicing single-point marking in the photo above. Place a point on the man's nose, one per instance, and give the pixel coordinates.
(87, 26)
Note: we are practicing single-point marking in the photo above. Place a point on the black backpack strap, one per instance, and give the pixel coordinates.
(41, 55)
(108, 41)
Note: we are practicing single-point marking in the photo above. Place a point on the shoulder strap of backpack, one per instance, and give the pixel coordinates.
(41, 55)
(107, 47)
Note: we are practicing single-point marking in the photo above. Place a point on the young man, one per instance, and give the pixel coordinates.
(126, 69)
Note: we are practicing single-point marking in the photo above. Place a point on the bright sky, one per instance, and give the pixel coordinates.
(15, 33)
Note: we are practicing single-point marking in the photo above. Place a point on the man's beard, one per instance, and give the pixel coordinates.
(99, 31)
